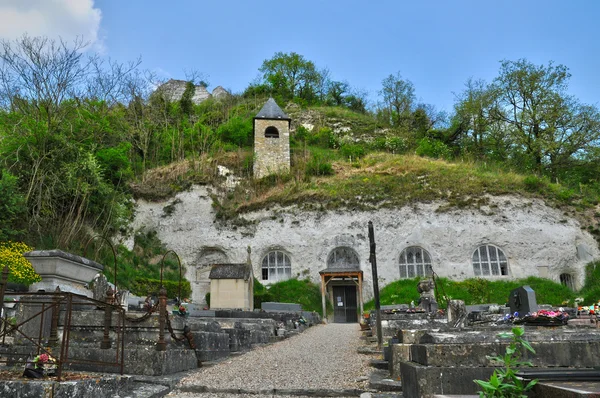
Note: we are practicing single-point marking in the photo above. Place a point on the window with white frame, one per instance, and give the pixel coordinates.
(276, 266)
(343, 257)
(415, 261)
(489, 260)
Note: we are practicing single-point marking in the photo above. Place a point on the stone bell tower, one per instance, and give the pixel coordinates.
(271, 140)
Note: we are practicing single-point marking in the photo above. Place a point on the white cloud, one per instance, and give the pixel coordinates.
(52, 18)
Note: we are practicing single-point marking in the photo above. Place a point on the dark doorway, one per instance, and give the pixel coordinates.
(344, 304)
(567, 280)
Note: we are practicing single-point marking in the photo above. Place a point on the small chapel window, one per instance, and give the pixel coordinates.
(272, 132)
(489, 260)
(415, 261)
(276, 266)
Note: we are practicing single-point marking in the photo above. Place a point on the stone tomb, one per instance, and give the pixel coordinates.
(448, 362)
(68, 271)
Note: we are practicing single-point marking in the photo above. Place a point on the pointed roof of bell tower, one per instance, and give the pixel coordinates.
(271, 110)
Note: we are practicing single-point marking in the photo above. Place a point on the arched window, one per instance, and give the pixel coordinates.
(489, 260)
(415, 261)
(272, 132)
(276, 266)
(567, 280)
(343, 257)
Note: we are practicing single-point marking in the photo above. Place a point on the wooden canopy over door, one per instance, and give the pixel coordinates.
(329, 275)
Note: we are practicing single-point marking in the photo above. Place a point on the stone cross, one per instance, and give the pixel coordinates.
(99, 287)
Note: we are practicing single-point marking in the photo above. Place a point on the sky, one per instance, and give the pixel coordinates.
(437, 45)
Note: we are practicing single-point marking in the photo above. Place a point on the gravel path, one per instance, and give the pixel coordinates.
(322, 357)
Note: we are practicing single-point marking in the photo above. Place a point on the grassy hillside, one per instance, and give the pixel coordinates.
(377, 180)
(477, 291)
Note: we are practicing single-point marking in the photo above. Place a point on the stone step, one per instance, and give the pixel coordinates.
(380, 381)
(146, 390)
(379, 364)
(369, 350)
(574, 389)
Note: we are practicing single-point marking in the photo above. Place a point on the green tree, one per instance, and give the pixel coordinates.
(290, 75)
(12, 207)
(549, 125)
(473, 116)
(336, 93)
(398, 98)
(186, 104)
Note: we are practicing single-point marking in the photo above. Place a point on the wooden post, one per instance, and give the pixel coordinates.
(323, 297)
(360, 295)
(373, 260)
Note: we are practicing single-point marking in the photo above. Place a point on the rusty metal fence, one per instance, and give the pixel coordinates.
(44, 326)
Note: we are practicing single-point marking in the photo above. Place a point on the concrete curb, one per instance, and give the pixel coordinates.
(310, 392)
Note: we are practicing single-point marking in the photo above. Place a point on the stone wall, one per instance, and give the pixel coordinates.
(536, 239)
(271, 155)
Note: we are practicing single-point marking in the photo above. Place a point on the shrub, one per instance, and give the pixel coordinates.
(352, 151)
(300, 135)
(324, 138)
(261, 294)
(433, 149)
(20, 269)
(237, 131)
(145, 286)
(396, 145)
(534, 183)
(479, 289)
(318, 166)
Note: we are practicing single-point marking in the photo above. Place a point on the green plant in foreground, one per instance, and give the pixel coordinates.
(504, 382)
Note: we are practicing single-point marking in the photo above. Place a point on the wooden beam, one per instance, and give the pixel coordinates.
(323, 296)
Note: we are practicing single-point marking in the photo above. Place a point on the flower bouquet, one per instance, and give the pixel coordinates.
(39, 366)
(544, 318)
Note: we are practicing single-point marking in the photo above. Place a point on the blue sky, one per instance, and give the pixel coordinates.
(437, 45)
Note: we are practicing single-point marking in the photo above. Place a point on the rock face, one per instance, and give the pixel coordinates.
(220, 93)
(535, 239)
(173, 90)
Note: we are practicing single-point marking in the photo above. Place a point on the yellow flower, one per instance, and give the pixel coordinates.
(20, 269)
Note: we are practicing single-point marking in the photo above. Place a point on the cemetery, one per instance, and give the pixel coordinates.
(61, 327)
(434, 354)
(65, 328)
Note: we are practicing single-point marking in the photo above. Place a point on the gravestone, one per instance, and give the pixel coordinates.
(99, 287)
(457, 313)
(427, 300)
(522, 300)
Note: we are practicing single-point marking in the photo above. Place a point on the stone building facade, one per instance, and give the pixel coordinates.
(271, 140)
(511, 238)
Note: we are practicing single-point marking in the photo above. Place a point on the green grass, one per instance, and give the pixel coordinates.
(386, 180)
(297, 291)
(476, 291)
(591, 289)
